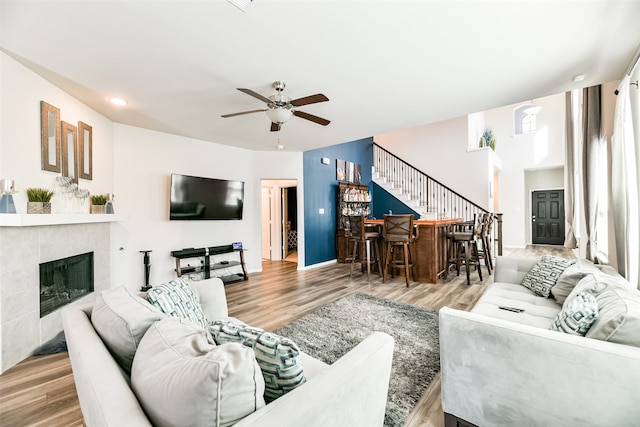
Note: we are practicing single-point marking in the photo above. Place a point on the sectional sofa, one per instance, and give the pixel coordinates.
(502, 365)
(352, 391)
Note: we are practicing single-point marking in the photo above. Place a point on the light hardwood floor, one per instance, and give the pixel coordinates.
(40, 390)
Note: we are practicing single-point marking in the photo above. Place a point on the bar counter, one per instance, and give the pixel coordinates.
(429, 250)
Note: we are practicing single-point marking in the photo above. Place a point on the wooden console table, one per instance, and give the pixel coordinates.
(429, 249)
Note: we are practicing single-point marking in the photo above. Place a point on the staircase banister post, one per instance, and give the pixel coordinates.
(499, 227)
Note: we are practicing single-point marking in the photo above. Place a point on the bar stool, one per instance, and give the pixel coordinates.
(466, 251)
(363, 236)
(485, 237)
(398, 232)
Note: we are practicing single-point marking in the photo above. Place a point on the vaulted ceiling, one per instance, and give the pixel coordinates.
(384, 65)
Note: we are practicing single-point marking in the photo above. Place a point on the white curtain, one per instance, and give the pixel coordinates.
(624, 191)
(591, 166)
(570, 190)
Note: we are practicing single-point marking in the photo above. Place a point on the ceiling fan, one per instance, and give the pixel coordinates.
(280, 107)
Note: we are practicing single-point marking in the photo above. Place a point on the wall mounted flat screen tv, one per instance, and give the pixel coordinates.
(198, 198)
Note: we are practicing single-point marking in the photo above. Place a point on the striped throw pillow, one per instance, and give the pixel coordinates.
(176, 299)
(278, 357)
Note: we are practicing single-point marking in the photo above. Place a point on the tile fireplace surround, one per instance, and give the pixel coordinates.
(25, 242)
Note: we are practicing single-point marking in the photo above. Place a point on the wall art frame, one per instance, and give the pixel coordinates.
(50, 138)
(69, 136)
(85, 151)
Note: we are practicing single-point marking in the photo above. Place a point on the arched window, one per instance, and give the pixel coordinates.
(524, 121)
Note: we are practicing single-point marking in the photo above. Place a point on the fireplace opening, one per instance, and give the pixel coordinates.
(65, 280)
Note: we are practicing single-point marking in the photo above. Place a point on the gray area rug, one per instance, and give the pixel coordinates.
(331, 331)
(57, 344)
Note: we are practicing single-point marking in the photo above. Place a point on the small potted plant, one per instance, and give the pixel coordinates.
(98, 202)
(39, 200)
(488, 139)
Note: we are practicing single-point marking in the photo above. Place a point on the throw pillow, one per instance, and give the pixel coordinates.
(181, 378)
(278, 357)
(176, 299)
(545, 273)
(577, 316)
(121, 319)
(570, 277)
(619, 317)
(597, 283)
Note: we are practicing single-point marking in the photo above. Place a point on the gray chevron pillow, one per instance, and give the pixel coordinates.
(176, 299)
(545, 273)
(278, 357)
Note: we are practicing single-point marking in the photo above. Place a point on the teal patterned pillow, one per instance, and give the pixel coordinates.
(545, 273)
(175, 298)
(278, 357)
(577, 315)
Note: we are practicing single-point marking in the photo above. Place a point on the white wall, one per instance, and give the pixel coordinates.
(440, 150)
(541, 150)
(21, 92)
(135, 164)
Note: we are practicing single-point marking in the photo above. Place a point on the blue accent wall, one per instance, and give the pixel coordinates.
(383, 202)
(321, 192)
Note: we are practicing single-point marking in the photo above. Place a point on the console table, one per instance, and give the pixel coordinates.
(224, 262)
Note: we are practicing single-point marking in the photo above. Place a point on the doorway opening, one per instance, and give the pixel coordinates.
(547, 217)
(279, 219)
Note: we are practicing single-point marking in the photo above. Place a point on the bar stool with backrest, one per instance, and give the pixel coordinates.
(366, 238)
(398, 233)
(466, 250)
(484, 252)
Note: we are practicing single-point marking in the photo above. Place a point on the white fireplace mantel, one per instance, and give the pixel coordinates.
(32, 220)
(28, 240)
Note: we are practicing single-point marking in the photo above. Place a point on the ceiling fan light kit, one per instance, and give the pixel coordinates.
(280, 107)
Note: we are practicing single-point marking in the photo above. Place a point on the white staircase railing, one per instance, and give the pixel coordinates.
(427, 196)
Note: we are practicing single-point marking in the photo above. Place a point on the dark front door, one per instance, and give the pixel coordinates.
(547, 217)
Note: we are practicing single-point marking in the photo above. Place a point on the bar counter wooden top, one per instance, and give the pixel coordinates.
(429, 249)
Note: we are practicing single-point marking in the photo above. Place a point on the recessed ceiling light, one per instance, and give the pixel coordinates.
(578, 78)
(118, 101)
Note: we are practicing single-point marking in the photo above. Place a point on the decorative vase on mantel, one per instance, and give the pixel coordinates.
(98, 209)
(38, 207)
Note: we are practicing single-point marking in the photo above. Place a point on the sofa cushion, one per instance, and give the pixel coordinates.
(176, 299)
(538, 311)
(596, 283)
(121, 319)
(570, 277)
(545, 273)
(181, 378)
(278, 357)
(619, 316)
(577, 315)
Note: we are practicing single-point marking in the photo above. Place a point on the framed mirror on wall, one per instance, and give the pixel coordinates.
(69, 135)
(85, 151)
(50, 140)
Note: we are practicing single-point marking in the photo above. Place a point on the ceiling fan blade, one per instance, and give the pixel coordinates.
(243, 112)
(311, 99)
(275, 127)
(255, 95)
(315, 119)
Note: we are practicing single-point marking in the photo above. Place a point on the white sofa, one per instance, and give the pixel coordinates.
(503, 368)
(351, 392)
